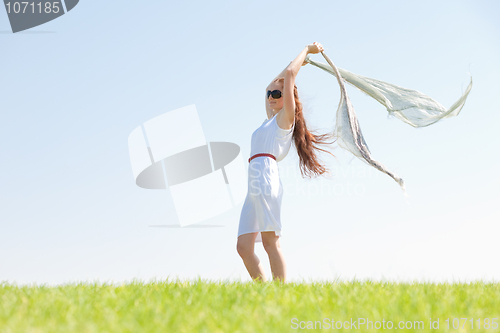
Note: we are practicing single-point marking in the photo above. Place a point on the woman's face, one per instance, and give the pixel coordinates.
(275, 104)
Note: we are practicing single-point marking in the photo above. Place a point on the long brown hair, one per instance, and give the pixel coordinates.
(306, 142)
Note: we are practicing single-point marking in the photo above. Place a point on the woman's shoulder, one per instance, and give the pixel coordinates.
(279, 121)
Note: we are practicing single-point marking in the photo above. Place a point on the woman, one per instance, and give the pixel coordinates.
(260, 216)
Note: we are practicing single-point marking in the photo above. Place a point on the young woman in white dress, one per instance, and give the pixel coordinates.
(286, 108)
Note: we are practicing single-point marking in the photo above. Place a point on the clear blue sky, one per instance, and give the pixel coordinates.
(74, 88)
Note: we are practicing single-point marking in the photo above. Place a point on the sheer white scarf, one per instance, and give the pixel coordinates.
(410, 106)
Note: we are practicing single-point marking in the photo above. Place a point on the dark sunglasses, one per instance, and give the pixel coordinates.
(276, 94)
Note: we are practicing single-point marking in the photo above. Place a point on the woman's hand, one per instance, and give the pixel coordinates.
(315, 48)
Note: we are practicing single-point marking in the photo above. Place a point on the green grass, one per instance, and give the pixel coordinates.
(210, 306)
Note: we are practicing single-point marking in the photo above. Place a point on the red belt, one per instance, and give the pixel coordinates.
(261, 154)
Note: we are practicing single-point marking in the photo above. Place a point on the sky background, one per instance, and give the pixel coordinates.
(74, 88)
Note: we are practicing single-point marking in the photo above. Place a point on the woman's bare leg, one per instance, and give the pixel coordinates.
(245, 248)
(272, 246)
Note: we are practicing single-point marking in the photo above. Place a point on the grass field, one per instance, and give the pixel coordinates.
(209, 306)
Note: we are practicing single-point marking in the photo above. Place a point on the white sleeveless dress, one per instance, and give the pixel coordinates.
(261, 210)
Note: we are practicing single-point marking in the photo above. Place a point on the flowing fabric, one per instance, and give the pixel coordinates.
(410, 106)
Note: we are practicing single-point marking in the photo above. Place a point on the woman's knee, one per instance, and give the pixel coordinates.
(270, 241)
(245, 245)
(244, 250)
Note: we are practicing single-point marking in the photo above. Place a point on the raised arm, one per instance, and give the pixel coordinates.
(268, 109)
(287, 119)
